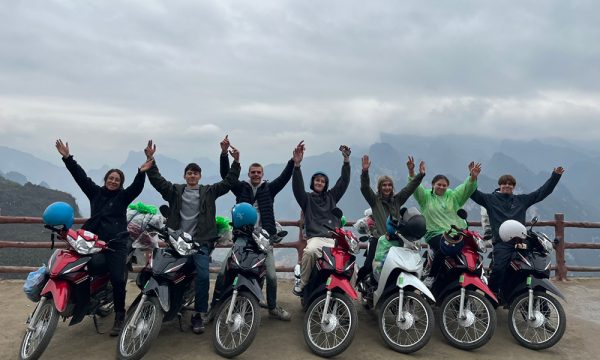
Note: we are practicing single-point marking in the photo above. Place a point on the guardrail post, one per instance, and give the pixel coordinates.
(559, 231)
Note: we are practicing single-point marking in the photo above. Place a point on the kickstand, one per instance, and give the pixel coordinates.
(96, 324)
(180, 318)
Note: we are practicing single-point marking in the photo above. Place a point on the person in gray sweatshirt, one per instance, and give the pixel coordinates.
(317, 207)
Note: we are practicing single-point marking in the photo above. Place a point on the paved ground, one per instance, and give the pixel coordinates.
(284, 340)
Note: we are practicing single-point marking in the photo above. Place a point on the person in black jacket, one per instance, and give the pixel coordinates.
(108, 220)
(502, 205)
(192, 209)
(262, 195)
(317, 206)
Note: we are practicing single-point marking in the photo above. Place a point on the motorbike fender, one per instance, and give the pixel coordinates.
(59, 289)
(161, 291)
(409, 280)
(535, 284)
(450, 287)
(243, 282)
(473, 280)
(342, 283)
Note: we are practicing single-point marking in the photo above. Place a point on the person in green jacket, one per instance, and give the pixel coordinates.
(383, 204)
(439, 206)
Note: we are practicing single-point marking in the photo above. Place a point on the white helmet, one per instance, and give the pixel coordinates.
(368, 212)
(511, 229)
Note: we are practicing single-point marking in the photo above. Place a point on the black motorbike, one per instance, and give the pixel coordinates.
(536, 318)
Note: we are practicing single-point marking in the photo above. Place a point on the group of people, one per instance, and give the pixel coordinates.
(193, 209)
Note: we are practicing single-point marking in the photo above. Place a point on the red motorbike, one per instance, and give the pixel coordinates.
(77, 285)
(467, 310)
(330, 319)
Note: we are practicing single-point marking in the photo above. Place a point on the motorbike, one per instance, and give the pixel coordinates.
(330, 319)
(167, 291)
(467, 305)
(78, 284)
(238, 315)
(536, 319)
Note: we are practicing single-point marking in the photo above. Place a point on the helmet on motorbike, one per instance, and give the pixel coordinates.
(412, 225)
(451, 243)
(312, 180)
(390, 225)
(243, 214)
(511, 229)
(59, 213)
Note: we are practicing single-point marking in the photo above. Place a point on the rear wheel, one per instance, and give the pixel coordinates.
(233, 338)
(477, 325)
(332, 336)
(413, 330)
(139, 333)
(40, 332)
(547, 325)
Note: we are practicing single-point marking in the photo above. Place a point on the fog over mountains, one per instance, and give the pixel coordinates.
(529, 161)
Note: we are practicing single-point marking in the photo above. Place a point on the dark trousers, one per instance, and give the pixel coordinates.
(438, 258)
(367, 267)
(202, 262)
(113, 261)
(502, 255)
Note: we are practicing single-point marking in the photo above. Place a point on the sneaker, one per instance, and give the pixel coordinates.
(428, 281)
(119, 323)
(297, 290)
(197, 324)
(279, 313)
(210, 314)
(263, 305)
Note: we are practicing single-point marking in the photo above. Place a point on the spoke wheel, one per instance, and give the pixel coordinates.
(233, 338)
(477, 325)
(415, 328)
(138, 334)
(333, 336)
(35, 341)
(547, 326)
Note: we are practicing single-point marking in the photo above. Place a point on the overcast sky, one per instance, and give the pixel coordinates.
(106, 75)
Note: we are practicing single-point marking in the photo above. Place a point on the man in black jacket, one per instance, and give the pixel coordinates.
(193, 210)
(262, 195)
(502, 205)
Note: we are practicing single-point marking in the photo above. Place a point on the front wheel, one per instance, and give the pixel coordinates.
(410, 331)
(332, 336)
(545, 328)
(234, 337)
(38, 337)
(139, 333)
(477, 324)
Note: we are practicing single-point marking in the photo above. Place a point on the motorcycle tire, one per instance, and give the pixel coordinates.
(476, 329)
(343, 328)
(35, 341)
(225, 335)
(549, 331)
(146, 328)
(418, 324)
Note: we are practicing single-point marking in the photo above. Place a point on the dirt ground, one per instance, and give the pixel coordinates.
(284, 340)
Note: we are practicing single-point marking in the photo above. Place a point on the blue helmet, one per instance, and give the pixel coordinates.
(59, 213)
(243, 214)
(391, 225)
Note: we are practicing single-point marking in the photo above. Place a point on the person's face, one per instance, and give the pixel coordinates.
(255, 174)
(113, 181)
(507, 188)
(386, 188)
(192, 178)
(440, 187)
(319, 183)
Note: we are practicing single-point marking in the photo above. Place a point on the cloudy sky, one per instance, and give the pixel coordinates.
(107, 75)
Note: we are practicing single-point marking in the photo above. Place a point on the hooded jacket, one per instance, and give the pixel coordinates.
(501, 207)
(265, 194)
(206, 227)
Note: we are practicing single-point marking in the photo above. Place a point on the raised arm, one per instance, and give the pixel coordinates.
(297, 180)
(163, 186)
(365, 182)
(546, 189)
(86, 184)
(412, 185)
(136, 187)
(420, 193)
(222, 187)
(341, 185)
(279, 182)
(463, 191)
(224, 158)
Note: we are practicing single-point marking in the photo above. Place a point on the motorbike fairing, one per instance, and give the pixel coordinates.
(403, 280)
(243, 282)
(166, 262)
(536, 284)
(160, 290)
(471, 280)
(60, 291)
(336, 281)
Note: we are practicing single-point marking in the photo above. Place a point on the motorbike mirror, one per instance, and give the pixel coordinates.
(462, 213)
(164, 210)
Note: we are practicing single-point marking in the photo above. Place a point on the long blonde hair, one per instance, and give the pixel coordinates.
(380, 182)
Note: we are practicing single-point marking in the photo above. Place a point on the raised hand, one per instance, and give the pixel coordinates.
(150, 150)
(474, 169)
(410, 165)
(225, 144)
(235, 153)
(559, 170)
(366, 163)
(298, 153)
(422, 167)
(63, 148)
(345, 152)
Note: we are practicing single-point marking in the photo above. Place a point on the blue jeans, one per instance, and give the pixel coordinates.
(202, 262)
